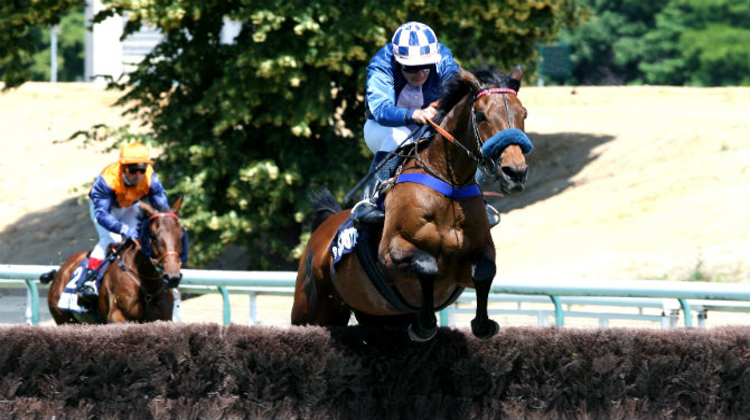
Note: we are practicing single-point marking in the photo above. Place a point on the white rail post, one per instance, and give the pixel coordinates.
(253, 308)
(176, 317)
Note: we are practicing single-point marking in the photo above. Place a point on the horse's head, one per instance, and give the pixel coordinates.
(496, 122)
(165, 242)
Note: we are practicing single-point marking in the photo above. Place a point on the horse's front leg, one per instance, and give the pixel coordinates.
(403, 253)
(426, 268)
(482, 273)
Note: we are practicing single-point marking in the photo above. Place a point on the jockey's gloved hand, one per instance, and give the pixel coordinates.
(128, 232)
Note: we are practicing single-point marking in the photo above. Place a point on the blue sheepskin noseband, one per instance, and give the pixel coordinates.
(497, 143)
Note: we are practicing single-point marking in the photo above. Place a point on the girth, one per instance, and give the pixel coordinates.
(389, 292)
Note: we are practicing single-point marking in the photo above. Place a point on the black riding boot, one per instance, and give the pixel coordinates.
(366, 212)
(87, 293)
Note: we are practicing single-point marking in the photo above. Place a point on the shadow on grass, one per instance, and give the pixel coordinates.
(554, 162)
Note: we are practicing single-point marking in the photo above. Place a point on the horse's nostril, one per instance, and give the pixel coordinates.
(514, 174)
(510, 172)
(172, 281)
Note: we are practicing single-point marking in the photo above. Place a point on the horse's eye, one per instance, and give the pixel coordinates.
(481, 117)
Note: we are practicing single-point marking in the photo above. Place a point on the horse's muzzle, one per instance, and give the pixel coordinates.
(172, 281)
(513, 178)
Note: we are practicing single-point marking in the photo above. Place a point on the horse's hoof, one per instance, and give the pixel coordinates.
(484, 330)
(421, 338)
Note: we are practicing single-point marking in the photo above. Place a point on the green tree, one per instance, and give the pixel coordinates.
(608, 47)
(246, 128)
(699, 42)
(21, 26)
(69, 50)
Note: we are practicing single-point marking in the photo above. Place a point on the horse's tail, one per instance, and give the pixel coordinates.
(324, 205)
(47, 277)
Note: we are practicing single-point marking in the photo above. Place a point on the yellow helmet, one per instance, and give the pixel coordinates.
(135, 153)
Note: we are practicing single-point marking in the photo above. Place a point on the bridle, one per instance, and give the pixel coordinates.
(486, 165)
(157, 261)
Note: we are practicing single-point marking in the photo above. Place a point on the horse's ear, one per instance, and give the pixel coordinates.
(150, 211)
(177, 204)
(517, 73)
(470, 79)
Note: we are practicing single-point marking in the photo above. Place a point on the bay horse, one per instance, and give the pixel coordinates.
(137, 285)
(436, 239)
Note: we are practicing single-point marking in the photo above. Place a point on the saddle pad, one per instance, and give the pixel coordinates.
(345, 240)
(68, 301)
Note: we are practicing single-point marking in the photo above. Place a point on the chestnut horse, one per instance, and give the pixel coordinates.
(435, 241)
(137, 285)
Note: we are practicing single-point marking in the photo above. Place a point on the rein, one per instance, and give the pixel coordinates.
(134, 274)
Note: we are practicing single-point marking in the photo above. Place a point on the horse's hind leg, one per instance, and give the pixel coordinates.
(315, 300)
(483, 271)
(425, 327)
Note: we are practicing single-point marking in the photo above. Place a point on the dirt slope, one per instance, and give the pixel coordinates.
(625, 182)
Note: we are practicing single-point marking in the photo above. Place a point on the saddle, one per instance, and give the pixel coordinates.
(68, 301)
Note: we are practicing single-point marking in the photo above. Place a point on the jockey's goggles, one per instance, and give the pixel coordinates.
(416, 69)
(135, 168)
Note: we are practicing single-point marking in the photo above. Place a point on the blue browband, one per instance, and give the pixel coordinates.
(440, 186)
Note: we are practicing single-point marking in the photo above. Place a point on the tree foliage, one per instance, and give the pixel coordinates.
(69, 50)
(21, 26)
(248, 127)
(678, 42)
(699, 42)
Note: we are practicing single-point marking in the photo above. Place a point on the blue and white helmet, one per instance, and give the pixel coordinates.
(415, 44)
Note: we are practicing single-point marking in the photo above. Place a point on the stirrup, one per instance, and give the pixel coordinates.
(88, 288)
(493, 216)
(87, 292)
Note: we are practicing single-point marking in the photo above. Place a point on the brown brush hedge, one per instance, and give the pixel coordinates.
(208, 371)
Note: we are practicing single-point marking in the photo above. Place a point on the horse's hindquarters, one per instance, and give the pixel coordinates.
(58, 285)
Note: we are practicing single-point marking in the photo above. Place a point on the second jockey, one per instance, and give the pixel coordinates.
(115, 205)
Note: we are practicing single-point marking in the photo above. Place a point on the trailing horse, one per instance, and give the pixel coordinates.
(136, 284)
(436, 239)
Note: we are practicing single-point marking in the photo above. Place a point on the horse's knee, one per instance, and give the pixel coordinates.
(424, 265)
(483, 270)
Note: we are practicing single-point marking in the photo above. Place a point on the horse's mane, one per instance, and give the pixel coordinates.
(455, 88)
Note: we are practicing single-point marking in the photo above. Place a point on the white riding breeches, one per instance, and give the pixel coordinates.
(380, 138)
(127, 215)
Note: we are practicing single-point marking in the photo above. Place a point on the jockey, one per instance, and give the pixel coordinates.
(115, 207)
(403, 79)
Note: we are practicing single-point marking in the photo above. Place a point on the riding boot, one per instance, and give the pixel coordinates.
(492, 215)
(87, 293)
(366, 212)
